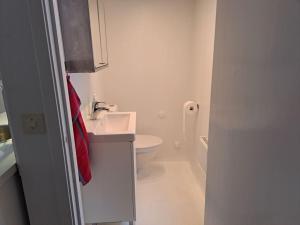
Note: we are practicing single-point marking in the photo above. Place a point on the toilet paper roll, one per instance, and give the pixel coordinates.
(190, 108)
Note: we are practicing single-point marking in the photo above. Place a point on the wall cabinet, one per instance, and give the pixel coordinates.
(84, 35)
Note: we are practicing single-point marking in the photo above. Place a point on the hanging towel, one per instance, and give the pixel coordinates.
(80, 136)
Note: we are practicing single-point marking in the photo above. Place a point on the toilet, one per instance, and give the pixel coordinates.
(146, 149)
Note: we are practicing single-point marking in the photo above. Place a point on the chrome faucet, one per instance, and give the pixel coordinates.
(96, 108)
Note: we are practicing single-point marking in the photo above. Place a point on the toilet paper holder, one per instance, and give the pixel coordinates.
(192, 108)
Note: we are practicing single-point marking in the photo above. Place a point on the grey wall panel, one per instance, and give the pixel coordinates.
(12, 205)
(254, 148)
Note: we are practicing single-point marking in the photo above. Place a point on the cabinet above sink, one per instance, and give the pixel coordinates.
(83, 28)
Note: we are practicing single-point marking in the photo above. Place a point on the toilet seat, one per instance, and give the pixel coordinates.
(144, 143)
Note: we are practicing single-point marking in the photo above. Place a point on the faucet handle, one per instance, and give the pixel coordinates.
(98, 103)
(99, 106)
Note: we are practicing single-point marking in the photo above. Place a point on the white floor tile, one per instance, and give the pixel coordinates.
(168, 194)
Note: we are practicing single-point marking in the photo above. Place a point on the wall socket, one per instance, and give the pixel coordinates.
(162, 114)
(34, 123)
(177, 145)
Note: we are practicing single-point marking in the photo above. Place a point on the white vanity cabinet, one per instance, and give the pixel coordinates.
(110, 196)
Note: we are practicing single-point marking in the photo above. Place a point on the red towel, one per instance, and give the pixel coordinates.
(80, 136)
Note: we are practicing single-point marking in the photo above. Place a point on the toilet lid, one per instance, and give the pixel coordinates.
(147, 141)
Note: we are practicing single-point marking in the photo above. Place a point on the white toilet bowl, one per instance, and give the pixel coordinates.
(146, 149)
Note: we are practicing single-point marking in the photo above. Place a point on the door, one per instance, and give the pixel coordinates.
(254, 149)
(31, 65)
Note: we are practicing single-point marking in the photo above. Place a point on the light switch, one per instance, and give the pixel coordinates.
(34, 123)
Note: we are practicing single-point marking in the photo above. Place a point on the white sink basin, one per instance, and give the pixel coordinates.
(112, 126)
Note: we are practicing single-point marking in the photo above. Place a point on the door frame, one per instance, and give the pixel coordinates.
(32, 69)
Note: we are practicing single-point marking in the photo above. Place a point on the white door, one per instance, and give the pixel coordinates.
(31, 65)
(253, 175)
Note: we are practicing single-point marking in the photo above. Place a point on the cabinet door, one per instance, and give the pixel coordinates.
(110, 196)
(98, 33)
(84, 35)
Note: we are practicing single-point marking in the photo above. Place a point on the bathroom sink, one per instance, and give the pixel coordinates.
(112, 161)
(112, 126)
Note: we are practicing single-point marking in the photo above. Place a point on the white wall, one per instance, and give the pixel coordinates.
(204, 36)
(2, 106)
(87, 86)
(253, 158)
(150, 57)
(160, 55)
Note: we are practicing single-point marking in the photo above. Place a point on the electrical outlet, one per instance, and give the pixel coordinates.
(177, 145)
(34, 123)
(162, 114)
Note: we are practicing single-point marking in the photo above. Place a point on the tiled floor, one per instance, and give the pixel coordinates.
(169, 195)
